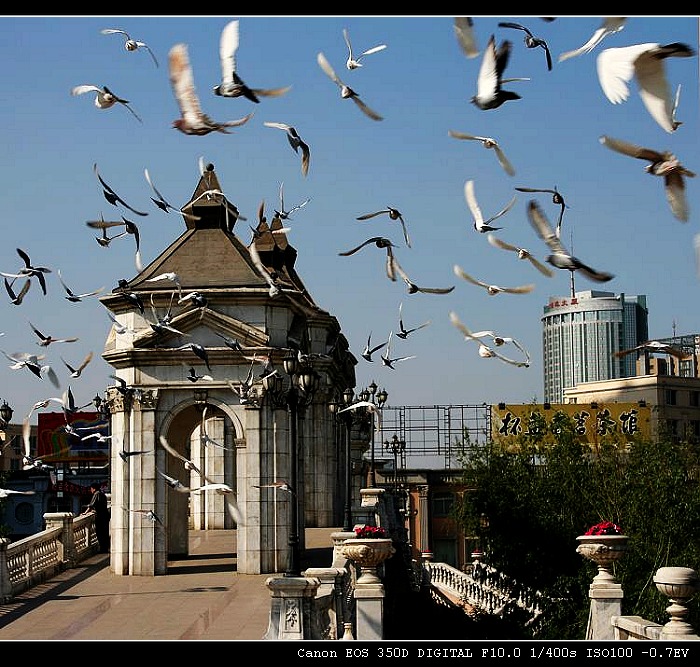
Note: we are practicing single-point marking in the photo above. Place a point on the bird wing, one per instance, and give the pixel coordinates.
(326, 67)
(628, 148)
(503, 211)
(365, 109)
(228, 45)
(374, 49)
(462, 327)
(367, 216)
(461, 273)
(500, 243)
(616, 67)
(346, 37)
(488, 80)
(610, 25)
(654, 89)
(182, 82)
(504, 161)
(675, 195)
(85, 88)
(473, 204)
(543, 228)
(464, 32)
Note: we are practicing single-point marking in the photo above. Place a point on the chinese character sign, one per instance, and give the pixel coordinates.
(606, 422)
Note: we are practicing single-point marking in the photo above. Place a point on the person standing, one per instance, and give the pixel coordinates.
(98, 505)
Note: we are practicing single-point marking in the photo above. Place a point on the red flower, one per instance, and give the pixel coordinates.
(604, 528)
(376, 532)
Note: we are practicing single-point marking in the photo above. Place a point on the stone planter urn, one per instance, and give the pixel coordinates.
(679, 584)
(368, 553)
(603, 550)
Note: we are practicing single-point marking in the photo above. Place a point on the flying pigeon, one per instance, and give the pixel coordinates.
(189, 464)
(32, 363)
(197, 349)
(281, 485)
(111, 196)
(30, 271)
(531, 42)
(172, 277)
(609, 26)
(653, 346)
(130, 44)
(75, 371)
(354, 62)
(296, 142)
(16, 298)
(674, 121)
(522, 253)
(492, 289)
(149, 514)
(231, 84)
(162, 323)
(45, 341)
(72, 296)
(394, 214)
(489, 94)
(380, 242)
(646, 63)
(560, 257)
(370, 350)
(6, 493)
(661, 163)
(482, 226)
(557, 198)
(464, 32)
(371, 407)
(192, 120)
(124, 455)
(192, 376)
(104, 97)
(223, 490)
(197, 298)
(403, 332)
(486, 352)
(388, 360)
(412, 287)
(345, 91)
(229, 342)
(284, 214)
(130, 228)
(488, 142)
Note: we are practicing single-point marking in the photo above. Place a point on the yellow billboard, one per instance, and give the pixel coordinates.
(594, 423)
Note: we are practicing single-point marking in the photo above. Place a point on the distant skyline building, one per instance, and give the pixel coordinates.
(580, 334)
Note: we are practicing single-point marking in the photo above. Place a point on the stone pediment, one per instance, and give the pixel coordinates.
(202, 326)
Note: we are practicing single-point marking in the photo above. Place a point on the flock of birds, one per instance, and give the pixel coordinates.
(617, 67)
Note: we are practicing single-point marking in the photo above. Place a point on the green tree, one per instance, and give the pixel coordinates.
(540, 495)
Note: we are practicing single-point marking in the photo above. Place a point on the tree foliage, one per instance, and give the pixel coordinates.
(529, 503)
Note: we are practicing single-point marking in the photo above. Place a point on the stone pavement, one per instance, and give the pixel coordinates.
(201, 597)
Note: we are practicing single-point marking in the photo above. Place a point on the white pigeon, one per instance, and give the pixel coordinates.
(370, 407)
(193, 120)
(523, 253)
(170, 276)
(646, 63)
(345, 91)
(118, 327)
(223, 490)
(464, 32)
(484, 351)
(6, 493)
(490, 143)
(661, 163)
(296, 142)
(609, 26)
(104, 97)
(280, 484)
(492, 289)
(188, 463)
(354, 62)
(482, 226)
(489, 91)
(72, 296)
(130, 44)
(231, 84)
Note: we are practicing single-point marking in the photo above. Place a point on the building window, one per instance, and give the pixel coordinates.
(671, 397)
(442, 502)
(694, 400)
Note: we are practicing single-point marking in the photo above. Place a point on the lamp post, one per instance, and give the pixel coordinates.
(347, 419)
(396, 446)
(370, 394)
(302, 384)
(6, 413)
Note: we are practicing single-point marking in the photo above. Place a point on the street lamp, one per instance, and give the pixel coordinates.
(5, 413)
(370, 394)
(347, 419)
(397, 447)
(302, 384)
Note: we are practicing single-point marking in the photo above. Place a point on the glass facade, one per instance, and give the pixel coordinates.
(580, 334)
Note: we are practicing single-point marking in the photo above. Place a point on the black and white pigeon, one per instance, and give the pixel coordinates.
(192, 121)
(412, 287)
(663, 164)
(197, 349)
(46, 340)
(283, 213)
(130, 44)
(653, 346)
(76, 371)
(489, 143)
(394, 214)
(353, 62)
(111, 196)
(531, 42)
(609, 26)
(522, 253)
(188, 463)
(560, 257)
(646, 63)
(345, 91)
(480, 225)
(492, 290)
(489, 91)
(29, 270)
(296, 142)
(72, 296)
(403, 332)
(16, 298)
(387, 360)
(370, 349)
(231, 84)
(104, 97)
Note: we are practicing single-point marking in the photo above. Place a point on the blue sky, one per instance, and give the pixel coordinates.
(618, 219)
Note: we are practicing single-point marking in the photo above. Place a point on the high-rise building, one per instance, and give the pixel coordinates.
(580, 334)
